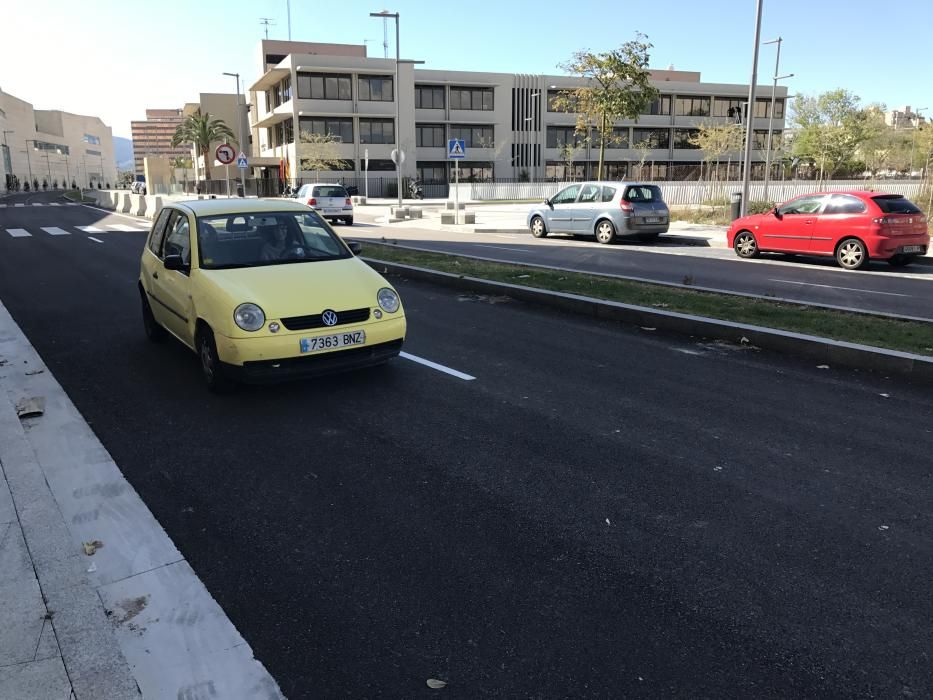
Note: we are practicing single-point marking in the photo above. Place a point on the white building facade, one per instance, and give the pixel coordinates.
(508, 122)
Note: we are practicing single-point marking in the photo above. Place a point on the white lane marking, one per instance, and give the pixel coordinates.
(72, 204)
(502, 235)
(96, 240)
(2, 206)
(498, 247)
(38, 204)
(845, 289)
(90, 229)
(54, 204)
(19, 204)
(439, 368)
(55, 231)
(124, 228)
(18, 232)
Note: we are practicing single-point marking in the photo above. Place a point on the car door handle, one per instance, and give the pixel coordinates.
(808, 221)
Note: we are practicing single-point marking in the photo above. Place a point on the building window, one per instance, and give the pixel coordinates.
(377, 131)
(429, 97)
(761, 140)
(475, 172)
(323, 86)
(692, 107)
(274, 58)
(557, 136)
(288, 131)
(557, 170)
(376, 88)
(286, 88)
(732, 107)
(432, 172)
(381, 165)
(619, 138)
(91, 139)
(339, 127)
(651, 138)
(93, 153)
(57, 147)
(682, 138)
(763, 108)
(474, 136)
(660, 106)
(613, 171)
(429, 136)
(471, 98)
(552, 96)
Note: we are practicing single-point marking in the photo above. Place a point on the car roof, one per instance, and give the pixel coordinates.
(326, 184)
(237, 205)
(861, 194)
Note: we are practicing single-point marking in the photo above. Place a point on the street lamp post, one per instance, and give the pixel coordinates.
(913, 143)
(398, 114)
(28, 160)
(749, 131)
(777, 67)
(239, 122)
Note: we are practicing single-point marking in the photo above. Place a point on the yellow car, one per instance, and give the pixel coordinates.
(262, 290)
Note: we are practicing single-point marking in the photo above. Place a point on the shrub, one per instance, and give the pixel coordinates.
(760, 207)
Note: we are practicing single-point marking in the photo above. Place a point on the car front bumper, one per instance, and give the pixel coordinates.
(277, 357)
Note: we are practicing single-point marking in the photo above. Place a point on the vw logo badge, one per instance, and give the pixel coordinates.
(329, 318)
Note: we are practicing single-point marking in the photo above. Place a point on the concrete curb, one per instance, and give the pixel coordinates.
(823, 350)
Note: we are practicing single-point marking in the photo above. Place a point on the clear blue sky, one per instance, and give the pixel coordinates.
(114, 58)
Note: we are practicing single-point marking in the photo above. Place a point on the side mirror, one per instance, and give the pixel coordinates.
(175, 262)
(355, 247)
(777, 213)
(548, 203)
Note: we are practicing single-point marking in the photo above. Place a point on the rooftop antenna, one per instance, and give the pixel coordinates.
(385, 35)
(266, 21)
(288, 9)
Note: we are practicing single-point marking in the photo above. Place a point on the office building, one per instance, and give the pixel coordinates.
(153, 137)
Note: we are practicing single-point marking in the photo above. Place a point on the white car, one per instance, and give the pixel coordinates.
(138, 187)
(329, 200)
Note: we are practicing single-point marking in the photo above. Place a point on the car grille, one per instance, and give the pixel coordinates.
(302, 323)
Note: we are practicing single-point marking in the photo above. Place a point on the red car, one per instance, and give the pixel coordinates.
(854, 227)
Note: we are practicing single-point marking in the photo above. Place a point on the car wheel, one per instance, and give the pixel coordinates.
(538, 230)
(648, 237)
(605, 232)
(901, 260)
(348, 221)
(745, 245)
(211, 367)
(852, 254)
(154, 331)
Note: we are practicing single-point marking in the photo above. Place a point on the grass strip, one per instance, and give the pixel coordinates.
(894, 334)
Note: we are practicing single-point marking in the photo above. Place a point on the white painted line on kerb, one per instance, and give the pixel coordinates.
(38, 204)
(18, 232)
(54, 204)
(90, 229)
(96, 240)
(124, 228)
(439, 368)
(19, 204)
(845, 289)
(497, 247)
(55, 231)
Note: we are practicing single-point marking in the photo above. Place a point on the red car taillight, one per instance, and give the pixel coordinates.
(626, 207)
(312, 202)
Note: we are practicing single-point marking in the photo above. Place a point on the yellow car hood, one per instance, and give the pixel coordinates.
(300, 289)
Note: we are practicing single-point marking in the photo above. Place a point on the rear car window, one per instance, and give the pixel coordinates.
(329, 191)
(896, 204)
(608, 193)
(643, 193)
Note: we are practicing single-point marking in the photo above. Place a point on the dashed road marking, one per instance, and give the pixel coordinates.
(55, 231)
(91, 229)
(845, 289)
(19, 204)
(96, 240)
(124, 228)
(18, 232)
(439, 368)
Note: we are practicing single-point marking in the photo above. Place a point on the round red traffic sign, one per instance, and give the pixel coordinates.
(225, 153)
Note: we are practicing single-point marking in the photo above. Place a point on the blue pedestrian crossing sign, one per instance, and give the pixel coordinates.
(456, 148)
(241, 161)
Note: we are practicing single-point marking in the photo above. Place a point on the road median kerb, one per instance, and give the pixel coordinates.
(823, 350)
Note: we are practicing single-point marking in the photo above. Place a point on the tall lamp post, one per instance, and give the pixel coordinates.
(28, 160)
(749, 131)
(239, 122)
(777, 67)
(913, 143)
(398, 136)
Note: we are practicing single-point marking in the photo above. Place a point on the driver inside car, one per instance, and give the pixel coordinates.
(276, 245)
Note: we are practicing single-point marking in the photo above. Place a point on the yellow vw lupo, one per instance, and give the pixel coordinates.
(264, 289)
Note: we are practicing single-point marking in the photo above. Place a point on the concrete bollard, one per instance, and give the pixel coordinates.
(448, 205)
(139, 206)
(359, 200)
(469, 217)
(415, 213)
(116, 202)
(126, 203)
(154, 204)
(448, 218)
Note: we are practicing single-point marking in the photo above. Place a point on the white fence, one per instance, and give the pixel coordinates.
(680, 193)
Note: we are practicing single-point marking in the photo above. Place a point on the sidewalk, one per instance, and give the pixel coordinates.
(97, 621)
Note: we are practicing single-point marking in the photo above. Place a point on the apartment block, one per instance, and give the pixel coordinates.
(509, 122)
(52, 145)
(152, 137)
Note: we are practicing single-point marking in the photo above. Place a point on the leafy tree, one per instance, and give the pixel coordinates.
(182, 163)
(644, 148)
(830, 129)
(568, 153)
(717, 140)
(201, 131)
(317, 152)
(617, 87)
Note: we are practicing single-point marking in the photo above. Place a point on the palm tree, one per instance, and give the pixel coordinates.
(201, 131)
(183, 163)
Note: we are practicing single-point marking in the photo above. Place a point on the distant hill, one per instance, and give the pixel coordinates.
(123, 152)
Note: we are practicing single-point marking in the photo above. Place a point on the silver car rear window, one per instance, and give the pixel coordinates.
(643, 193)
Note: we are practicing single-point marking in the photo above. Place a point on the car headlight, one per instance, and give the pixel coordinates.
(388, 300)
(249, 317)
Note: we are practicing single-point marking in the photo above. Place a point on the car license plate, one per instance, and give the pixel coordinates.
(331, 211)
(652, 220)
(913, 248)
(332, 342)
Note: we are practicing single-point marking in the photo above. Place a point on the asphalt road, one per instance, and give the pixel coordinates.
(602, 512)
(908, 291)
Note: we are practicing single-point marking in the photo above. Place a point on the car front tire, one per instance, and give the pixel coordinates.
(211, 367)
(745, 245)
(538, 229)
(852, 254)
(154, 331)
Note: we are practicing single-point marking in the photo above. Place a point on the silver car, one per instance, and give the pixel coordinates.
(604, 210)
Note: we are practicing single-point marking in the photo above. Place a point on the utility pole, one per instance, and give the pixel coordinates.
(749, 131)
(288, 10)
(385, 14)
(777, 67)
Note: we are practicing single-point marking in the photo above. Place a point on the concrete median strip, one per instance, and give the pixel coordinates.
(99, 589)
(824, 350)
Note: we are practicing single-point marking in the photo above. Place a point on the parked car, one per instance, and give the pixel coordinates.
(604, 210)
(263, 290)
(854, 227)
(138, 187)
(332, 201)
